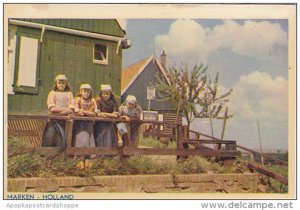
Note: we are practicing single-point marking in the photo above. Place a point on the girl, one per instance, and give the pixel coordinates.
(130, 110)
(105, 132)
(59, 102)
(85, 105)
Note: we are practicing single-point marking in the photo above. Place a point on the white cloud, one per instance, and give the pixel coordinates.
(188, 40)
(255, 96)
(259, 95)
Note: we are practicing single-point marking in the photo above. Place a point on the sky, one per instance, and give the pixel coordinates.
(251, 57)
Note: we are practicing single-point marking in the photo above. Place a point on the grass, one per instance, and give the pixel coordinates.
(273, 184)
(154, 143)
(24, 162)
(27, 163)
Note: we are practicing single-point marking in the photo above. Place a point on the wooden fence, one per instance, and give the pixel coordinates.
(178, 136)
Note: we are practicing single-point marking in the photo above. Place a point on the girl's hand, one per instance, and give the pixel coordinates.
(111, 115)
(125, 118)
(80, 112)
(100, 114)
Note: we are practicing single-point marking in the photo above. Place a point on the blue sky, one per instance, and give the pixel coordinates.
(251, 57)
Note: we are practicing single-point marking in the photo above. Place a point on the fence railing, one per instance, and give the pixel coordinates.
(252, 166)
(178, 137)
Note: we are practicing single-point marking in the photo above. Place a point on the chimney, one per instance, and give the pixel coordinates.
(163, 59)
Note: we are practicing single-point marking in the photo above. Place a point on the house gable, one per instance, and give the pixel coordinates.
(131, 73)
(138, 87)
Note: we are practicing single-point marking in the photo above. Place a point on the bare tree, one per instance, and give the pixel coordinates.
(192, 92)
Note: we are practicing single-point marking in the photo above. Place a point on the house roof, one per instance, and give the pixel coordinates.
(130, 73)
(100, 26)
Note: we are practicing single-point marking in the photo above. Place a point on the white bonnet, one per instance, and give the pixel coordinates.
(61, 77)
(131, 98)
(85, 86)
(105, 87)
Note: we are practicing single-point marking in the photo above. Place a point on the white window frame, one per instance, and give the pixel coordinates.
(11, 59)
(27, 63)
(104, 61)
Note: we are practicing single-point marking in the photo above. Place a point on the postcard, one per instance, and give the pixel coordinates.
(150, 101)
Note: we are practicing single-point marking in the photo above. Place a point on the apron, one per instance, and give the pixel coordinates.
(83, 134)
(105, 134)
(54, 135)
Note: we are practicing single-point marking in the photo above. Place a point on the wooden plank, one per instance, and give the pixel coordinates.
(70, 23)
(94, 24)
(51, 22)
(38, 101)
(202, 134)
(63, 23)
(93, 73)
(58, 67)
(115, 74)
(266, 172)
(14, 103)
(204, 141)
(69, 132)
(47, 73)
(79, 24)
(25, 103)
(150, 151)
(80, 62)
(85, 25)
(90, 25)
(74, 117)
(200, 146)
(69, 59)
(99, 25)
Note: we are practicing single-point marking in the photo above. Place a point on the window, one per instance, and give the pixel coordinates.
(100, 54)
(27, 63)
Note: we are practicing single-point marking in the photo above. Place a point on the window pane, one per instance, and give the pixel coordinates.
(28, 61)
(100, 52)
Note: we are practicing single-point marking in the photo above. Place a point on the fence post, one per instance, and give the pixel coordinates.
(69, 132)
(186, 134)
(252, 157)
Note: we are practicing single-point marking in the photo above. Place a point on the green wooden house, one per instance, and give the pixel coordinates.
(85, 50)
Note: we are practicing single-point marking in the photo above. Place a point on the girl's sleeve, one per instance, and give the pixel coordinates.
(51, 102)
(139, 111)
(115, 108)
(95, 109)
(121, 108)
(77, 104)
(98, 102)
(71, 101)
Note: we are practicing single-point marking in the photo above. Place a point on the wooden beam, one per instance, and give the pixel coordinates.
(266, 172)
(69, 132)
(205, 141)
(74, 117)
(281, 162)
(152, 151)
